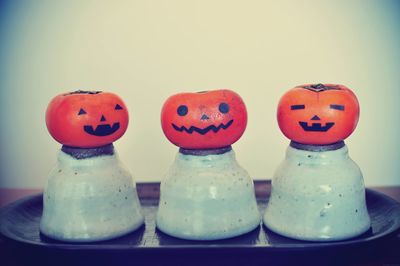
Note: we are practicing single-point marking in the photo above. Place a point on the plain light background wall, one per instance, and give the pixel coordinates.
(147, 50)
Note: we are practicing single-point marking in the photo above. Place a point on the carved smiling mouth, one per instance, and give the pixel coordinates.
(101, 130)
(202, 131)
(316, 126)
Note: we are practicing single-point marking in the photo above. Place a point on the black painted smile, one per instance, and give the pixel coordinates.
(316, 126)
(202, 131)
(101, 130)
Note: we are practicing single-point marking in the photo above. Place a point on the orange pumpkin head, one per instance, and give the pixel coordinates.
(204, 120)
(318, 114)
(87, 119)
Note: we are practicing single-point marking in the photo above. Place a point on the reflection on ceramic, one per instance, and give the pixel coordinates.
(207, 197)
(89, 200)
(317, 196)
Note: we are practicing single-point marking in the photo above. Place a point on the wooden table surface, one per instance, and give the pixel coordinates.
(151, 190)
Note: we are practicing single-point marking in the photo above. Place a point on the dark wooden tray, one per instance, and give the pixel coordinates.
(20, 227)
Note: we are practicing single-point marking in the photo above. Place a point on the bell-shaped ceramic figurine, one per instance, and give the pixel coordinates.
(318, 191)
(89, 195)
(206, 194)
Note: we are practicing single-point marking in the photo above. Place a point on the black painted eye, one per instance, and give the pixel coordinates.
(337, 107)
(223, 108)
(81, 112)
(297, 107)
(118, 107)
(182, 110)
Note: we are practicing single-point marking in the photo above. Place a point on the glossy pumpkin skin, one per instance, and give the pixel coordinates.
(86, 119)
(318, 114)
(204, 120)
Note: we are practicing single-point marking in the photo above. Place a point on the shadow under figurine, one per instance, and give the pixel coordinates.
(89, 195)
(318, 191)
(206, 194)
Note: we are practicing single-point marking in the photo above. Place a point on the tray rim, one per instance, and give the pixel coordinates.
(97, 246)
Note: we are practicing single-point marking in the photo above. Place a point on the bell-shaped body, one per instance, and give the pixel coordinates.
(207, 197)
(317, 196)
(89, 199)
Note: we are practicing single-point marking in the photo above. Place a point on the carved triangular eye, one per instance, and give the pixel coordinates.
(118, 107)
(82, 112)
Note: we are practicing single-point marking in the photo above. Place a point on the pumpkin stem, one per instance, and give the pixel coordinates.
(320, 87)
(82, 92)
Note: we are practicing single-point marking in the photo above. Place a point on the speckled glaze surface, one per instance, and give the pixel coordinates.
(206, 198)
(317, 196)
(89, 200)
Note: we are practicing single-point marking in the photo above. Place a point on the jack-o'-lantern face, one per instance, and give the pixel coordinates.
(318, 114)
(87, 119)
(204, 120)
